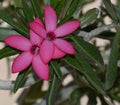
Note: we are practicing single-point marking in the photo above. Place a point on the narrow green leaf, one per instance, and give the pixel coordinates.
(20, 79)
(7, 51)
(27, 11)
(19, 28)
(73, 7)
(20, 12)
(59, 8)
(36, 8)
(90, 74)
(111, 71)
(89, 49)
(111, 10)
(79, 6)
(72, 62)
(117, 9)
(53, 3)
(86, 82)
(89, 17)
(52, 89)
(69, 10)
(21, 15)
(57, 70)
(66, 7)
(4, 32)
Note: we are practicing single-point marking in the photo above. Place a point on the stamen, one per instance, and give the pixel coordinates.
(51, 36)
(35, 49)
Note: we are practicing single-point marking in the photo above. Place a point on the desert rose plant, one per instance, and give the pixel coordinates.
(55, 40)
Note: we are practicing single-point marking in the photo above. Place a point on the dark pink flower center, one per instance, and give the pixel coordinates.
(35, 49)
(51, 36)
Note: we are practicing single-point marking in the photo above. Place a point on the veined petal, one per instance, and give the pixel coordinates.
(38, 20)
(50, 18)
(58, 53)
(64, 46)
(21, 62)
(40, 68)
(18, 42)
(46, 51)
(36, 27)
(35, 39)
(67, 28)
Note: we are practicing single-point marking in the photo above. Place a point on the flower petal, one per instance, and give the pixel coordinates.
(64, 46)
(58, 53)
(21, 62)
(37, 20)
(67, 28)
(46, 51)
(18, 42)
(40, 68)
(35, 39)
(36, 27)
(50, 18)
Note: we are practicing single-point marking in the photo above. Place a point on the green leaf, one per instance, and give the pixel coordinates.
(90, 74)
(73, 7)
(4, 32)
(79, 6)
(36, 8)
(20, 12)
(59, 8)
(66, 7)
(21, 15)
(19, 28)
(89, 49)
(20, 79)
(73, 62)
(89, 17)
(54, 3)
(27, 11)
(111, 71)
(57, 70)
(52, 89)
(7, 51)
(111, 10)
(117, 9)
(69, 10)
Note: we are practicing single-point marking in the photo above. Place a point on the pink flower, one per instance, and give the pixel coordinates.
(30, 54)
(53, 46)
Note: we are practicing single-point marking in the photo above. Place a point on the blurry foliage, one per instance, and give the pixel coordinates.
(91, 76)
